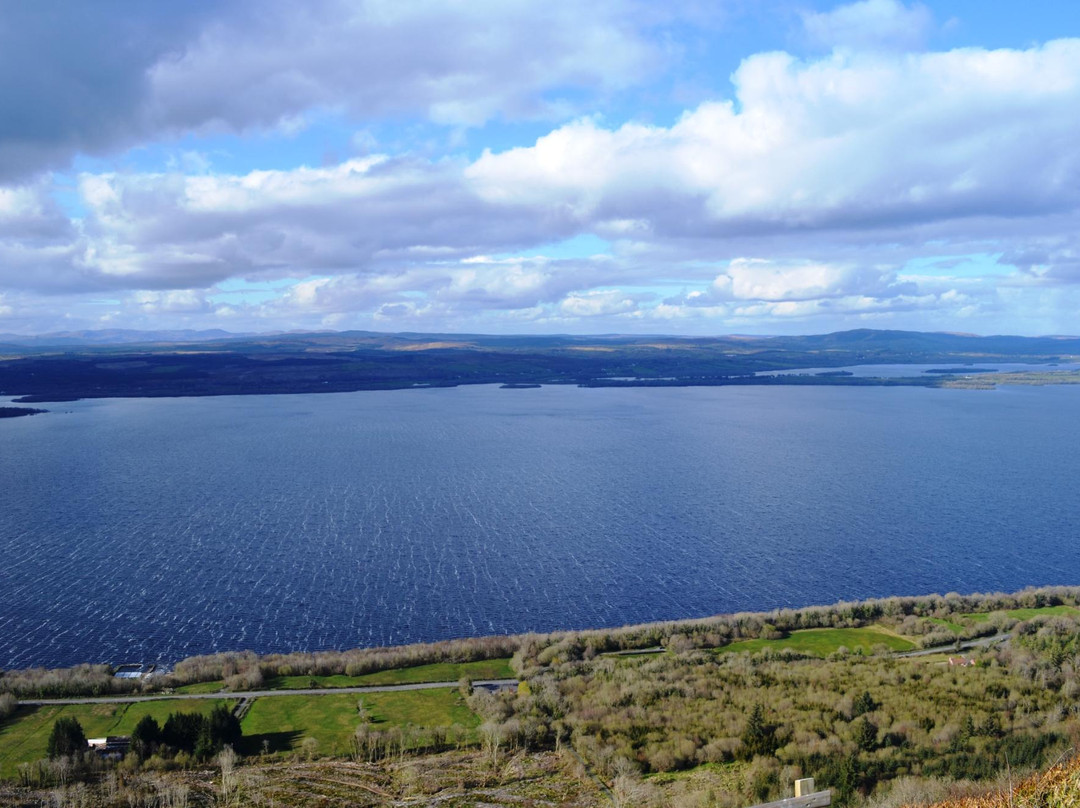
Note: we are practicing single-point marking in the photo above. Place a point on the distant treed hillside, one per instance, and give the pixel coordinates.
(357, 360)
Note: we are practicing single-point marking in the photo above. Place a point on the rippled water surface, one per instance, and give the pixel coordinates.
(141, 529)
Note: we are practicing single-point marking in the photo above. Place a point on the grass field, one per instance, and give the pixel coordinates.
(285, 721)
(436, 672)
(1028, 614)
(730, 775)
(824, 641)
(954, 627)
(25, 736)
(930, 659)
(201, 687)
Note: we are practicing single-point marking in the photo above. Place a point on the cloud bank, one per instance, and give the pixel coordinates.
(876, 183)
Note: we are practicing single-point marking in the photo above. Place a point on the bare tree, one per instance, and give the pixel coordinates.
(227, 760)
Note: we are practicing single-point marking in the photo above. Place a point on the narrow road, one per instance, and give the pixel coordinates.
(488, 684)
(964, 646)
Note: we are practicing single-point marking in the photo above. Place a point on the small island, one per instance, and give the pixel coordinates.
(16, 412)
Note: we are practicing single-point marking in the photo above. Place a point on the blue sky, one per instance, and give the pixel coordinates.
(701, 168)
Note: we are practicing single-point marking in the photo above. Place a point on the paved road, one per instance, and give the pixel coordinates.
(487, 684)
(964, 646)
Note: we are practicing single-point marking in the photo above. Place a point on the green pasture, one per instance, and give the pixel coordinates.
(825, 641)
(201, 687)
(24, 737)
(331, 719)
(952, 626)
(1027, 614)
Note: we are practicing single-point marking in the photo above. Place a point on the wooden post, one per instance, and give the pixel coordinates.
(804, 787)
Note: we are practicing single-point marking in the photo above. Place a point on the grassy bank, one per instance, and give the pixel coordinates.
(417, 674)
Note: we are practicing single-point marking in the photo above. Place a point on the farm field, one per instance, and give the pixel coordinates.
(825, 641)
(331, 720)
(24, 738)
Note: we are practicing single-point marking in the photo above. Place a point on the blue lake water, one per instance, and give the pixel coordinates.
(152, 529)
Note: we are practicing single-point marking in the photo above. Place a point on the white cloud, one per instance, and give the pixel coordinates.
(186, 301)
(29, 214)
(457, 63)
(802, 197)
(870, 24)
(850, 141)
(598, 303)
(747, 279)
(96, 79)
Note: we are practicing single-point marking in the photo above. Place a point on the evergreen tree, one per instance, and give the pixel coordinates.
(205, 747)
(182, 730)
(864, 704)
(992, 726)
(67, 738)
(847, 780)
(145, 738)
(224, 727)
(758, 737)
(866, 734)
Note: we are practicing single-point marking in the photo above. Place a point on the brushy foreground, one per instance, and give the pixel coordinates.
(725, 711)
(1057, 787)
(453, 780)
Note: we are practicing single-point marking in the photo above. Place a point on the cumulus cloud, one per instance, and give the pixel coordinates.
(161, 231)
(461, 63)
(870, 25)
(847, 142)
(73, 76)
(93, 78)
(186, 301)
(439, 291)
(751, 289)
(802, 197)
(748, 279)
(30, 214)
(597, 303)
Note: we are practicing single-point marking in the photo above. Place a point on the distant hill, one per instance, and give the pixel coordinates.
(864, 340)
(103, 364)
(117, 336)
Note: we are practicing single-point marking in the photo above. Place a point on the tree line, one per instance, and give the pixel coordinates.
(913, 617)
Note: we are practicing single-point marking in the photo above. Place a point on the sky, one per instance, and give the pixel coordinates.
(512, 166)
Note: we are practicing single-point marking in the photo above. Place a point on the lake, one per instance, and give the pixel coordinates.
(153, 529)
